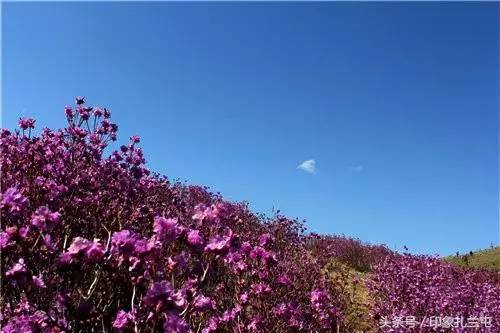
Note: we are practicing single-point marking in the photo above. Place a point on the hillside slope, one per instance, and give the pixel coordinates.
(489, 258)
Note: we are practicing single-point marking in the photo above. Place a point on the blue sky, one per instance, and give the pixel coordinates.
(397, 104)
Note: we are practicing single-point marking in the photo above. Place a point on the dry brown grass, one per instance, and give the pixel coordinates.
(358, 316)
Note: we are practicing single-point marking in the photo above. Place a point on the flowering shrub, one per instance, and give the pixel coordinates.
(426, 287)
(350, 251)
(99, 243)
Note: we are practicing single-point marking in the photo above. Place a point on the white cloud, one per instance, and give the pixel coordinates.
(357, 168)
(308, 166)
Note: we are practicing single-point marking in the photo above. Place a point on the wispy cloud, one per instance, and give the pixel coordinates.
(357, 168)
(308, 166)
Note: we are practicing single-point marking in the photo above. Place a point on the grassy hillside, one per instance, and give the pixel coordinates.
(489, 258)
(360, 301)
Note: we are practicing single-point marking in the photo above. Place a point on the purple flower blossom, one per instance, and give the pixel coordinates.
(284, 280)
(84, 113)
(23, 232)
(44, 219)
(18, 273)
(18, 269)
(318, 297)
(194, 238)
(231, 314)
(98, 112)
(243, 298)
(94, 252)
(202, 303)
(265, 239)
(14, 200)
(175, 324)
(259, 253)
(68, 111)
(81, 247)
(163, 295)
(38, 282)
(6, 240)
(77, 132)
(291, 313)
(123, 319)
(35, 323)
(177, 262)
(202, 212)
(217, 245)
(143, 246)
(64, 259)
(124, 242)
(246, 247)
(78, 245)
(260, 288)
(220, 245)
(25, 123)
(166, 229)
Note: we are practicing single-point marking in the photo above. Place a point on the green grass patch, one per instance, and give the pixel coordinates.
(489, 259)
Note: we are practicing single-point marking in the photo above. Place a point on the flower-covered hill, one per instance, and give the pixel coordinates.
(98, 243)
(95, 243)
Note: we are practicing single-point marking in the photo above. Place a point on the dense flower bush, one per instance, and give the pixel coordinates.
(350, 251)
(441, 297)
(94, 243)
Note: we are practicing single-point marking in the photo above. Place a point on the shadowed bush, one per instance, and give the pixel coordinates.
(350, 251)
